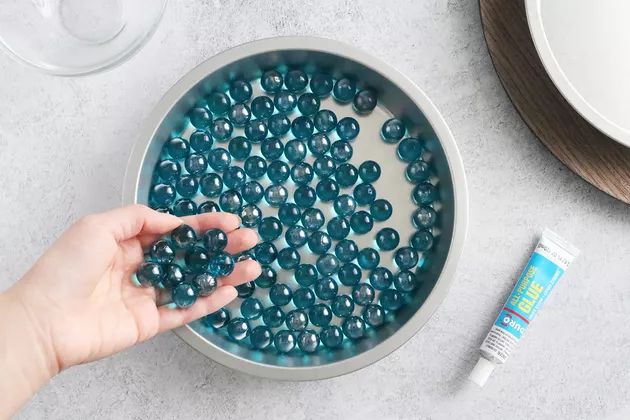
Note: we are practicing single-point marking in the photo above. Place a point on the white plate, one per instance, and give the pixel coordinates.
(585, 47)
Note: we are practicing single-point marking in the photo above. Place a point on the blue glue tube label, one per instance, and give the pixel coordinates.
(550, 259)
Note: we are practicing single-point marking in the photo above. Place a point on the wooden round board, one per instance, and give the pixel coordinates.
(582, 148)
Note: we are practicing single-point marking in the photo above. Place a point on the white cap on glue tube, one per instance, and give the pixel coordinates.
(482, 371)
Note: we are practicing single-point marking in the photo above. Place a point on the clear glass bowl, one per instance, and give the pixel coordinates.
(76, 37)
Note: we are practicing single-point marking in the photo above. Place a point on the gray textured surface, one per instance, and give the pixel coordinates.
(64, 144)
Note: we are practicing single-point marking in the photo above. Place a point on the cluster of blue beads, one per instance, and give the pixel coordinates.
(186, 265)
(346, 292)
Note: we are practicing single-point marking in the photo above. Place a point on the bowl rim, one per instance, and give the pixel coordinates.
(455, 165)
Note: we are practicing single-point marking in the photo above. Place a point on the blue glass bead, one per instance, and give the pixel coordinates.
(325, 121)
(285, 101)
(361, 222)
(296, 236)
(279, 124)
(302, 127)
(305, 275)
(183, 237)
(272, 148)
(256, 130)
(387, 239)
(276, 195)
(177, 148)
(312, 219)
(353, 327)
(278, 171)
(221, 264)
(318, 144)
(216, 320)
(196, 164)
(280, 294)
(219, 159)
(288, 258)
(392, 130)
(184, 207)
(422, 240)
(391, 299)
(173, 275)
(303, 298)
(289, 214)
(261, 337)
(215, 240)
(251, 308)
(221, 129)
(344, 90)
(234, 177)
(210, 185)
(252, 192)
(201, 142)
(240, 148)
(346, 250)
(417, 171)
(238, 329)
(230, 201)
(304, 196)
(308, 341)
(271, 81)
(369, 171)
(296, 81)
(381, 210)
(319, 242)
(364, 194)
(250, 215)
(270, 228)
(302, 173)
(295, 151)
(326, 288)
(424, 217)
(240, 90)
(267, 277)
(265, 252)
(245, 290)
(208, 207)
(342, 306)
(320, 315)
(168, 170)
(424, 193)
(374, 315)
(255, 167)
(405, 281)
(346, 175)
(296, 320)
(239, 114)
(331, 336)
(341, 151)
(218, 103)
(362, 294)
(308, 104)
(163, 194)
(149, 274)
(338, 227)
(410, 149)
(184, 294)
(381, 278)
(262, 107)
(406, 258)
(327, 189)
(321, 84)
(347, 128)
(349, 274)
(364, 101)
(273, 317)
(324, 166)
(187, 186)
(345, 205)
(284, 341)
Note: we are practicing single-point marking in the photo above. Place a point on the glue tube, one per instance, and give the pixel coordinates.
(550, 259)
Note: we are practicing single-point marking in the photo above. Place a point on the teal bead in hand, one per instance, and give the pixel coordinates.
(221, 264)
(245, 290)
(162, 252)
(149, 274)
(267, 278)
(215, 240)
(216, 320)
(197, 259)
(184, 207)
(185, 294)
(265, 252)
(208, 207)
(183, 237)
